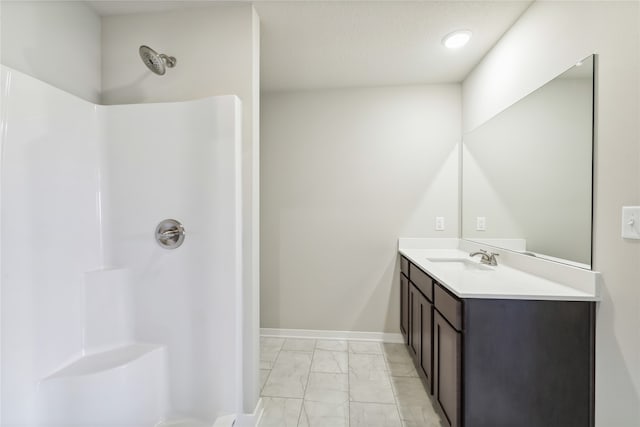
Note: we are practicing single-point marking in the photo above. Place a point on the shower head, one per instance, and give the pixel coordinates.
(155, 61)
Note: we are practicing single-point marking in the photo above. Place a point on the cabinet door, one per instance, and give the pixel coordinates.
(447, 362)
(404, 307)
(426, 355)
(414, 322)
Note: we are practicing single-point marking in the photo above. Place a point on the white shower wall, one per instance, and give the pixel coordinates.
(49, 233)
(161, 163)
(90, 302)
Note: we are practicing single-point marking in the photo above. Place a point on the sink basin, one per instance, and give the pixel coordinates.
(460, 264)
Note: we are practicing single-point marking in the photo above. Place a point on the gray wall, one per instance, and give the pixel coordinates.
(548, 39)
(344, 173)
(56, 42)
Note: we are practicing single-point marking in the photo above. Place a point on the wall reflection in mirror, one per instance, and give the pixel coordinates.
(527, 172)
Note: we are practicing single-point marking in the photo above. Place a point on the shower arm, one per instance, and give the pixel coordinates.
(169, 61)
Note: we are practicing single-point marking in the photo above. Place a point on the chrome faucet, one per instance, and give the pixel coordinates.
(487, 258)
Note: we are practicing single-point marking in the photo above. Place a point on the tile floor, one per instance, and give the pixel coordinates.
(318, 383)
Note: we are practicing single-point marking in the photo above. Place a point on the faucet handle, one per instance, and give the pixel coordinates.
(491, 258)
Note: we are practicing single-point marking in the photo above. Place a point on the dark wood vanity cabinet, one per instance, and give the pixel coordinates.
(425, 361)
(447, 355)
(416, 319)
(446, 370)
(404, 300)
(501, 362)
(528, 363)
(420, 340)
(415, 310)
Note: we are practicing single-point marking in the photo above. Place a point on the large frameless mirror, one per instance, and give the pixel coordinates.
(527, 173)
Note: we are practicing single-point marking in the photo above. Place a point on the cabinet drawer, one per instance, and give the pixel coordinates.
(448, 305)
(404, 266)
(422, 281)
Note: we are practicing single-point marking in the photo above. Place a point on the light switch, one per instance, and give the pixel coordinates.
(631, 222)
(439, 223)
(481, 223)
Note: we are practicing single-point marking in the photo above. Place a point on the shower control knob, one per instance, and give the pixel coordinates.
(170, 234)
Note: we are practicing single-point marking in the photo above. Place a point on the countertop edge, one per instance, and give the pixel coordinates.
(574, 295)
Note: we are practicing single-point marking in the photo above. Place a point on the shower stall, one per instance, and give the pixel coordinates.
(113, 316)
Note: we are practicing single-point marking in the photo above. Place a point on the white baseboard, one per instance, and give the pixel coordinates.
(250, 420)
(388, 337)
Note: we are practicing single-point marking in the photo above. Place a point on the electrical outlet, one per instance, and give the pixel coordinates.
(439, 223)
(481, 223)
(631, 222)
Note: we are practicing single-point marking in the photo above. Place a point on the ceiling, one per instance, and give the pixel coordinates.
(120, 7)
(331, 44)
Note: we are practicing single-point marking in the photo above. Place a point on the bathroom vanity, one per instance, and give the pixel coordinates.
(513, 344)
(497, 346)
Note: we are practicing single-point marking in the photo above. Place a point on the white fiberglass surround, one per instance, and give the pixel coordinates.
(100, 325)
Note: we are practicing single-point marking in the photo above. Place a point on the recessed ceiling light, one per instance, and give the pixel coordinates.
(457, 39)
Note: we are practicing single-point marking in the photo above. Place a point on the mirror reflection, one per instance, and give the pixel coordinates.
(527, 172)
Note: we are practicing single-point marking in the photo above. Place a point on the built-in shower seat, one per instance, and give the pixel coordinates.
(115, 381)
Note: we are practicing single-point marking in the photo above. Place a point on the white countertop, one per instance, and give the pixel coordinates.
(501, 281)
